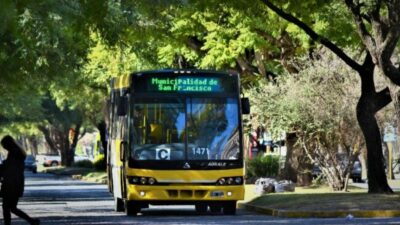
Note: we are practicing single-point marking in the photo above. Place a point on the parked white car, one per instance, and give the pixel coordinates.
(48, 160)
(55, 160)
(81, 158)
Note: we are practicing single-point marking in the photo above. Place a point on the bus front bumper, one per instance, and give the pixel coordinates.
(185, 193)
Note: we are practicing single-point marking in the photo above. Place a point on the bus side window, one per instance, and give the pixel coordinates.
(118, 121)
(114, 117)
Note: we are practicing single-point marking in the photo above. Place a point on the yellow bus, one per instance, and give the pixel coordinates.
(175, 137)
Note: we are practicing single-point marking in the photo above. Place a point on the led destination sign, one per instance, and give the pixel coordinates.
(168, 83)
(184, 84)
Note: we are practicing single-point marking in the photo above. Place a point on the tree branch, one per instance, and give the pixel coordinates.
(195, 44)
(316, 37)
(245, 66)
(382, 99)
(267, 37)
(368, 41)
(379, 27)
(47, 135)
(393, 13)
(391, 72)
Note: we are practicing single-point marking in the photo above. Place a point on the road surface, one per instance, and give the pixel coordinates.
(61, 200)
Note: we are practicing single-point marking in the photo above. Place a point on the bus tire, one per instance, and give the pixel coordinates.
(215, 208)
(132, 208)
(119, 205)
(201, 207)
(229, 208)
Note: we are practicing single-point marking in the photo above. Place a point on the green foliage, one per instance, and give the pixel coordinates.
(316, 101)
(318, 105)
(84, 164)
(263, 166)
(99, 163)
(68, 51)
(72, 49)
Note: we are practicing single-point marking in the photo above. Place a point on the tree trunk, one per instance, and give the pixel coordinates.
(377, 181)
(64, 151)
(49, 140)
(33, 144)
(297, 166)
(72, 145)
(369, 103)
(289, 172)
(64, 144)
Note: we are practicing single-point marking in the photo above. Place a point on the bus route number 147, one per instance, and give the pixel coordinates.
(200, 153)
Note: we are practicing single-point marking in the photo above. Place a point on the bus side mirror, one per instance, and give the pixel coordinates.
(245, 106)
(122, 108)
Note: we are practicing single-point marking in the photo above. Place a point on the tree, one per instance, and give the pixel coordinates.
(378, 25)
(325, 125)
(62, 130)
(44, 44)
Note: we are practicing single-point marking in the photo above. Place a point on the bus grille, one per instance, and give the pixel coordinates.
(187, 193)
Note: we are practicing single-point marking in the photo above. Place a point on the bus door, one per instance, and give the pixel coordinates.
(118, 136)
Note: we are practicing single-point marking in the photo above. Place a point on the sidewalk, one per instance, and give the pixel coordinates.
(323, 213)
(394, 184)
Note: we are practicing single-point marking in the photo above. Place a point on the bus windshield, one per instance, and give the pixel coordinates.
(185, 129)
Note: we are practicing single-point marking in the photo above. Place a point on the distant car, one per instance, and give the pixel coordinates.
(316, 172)
(78, 158)
(30, 163)
(49, 160)
(356, 172)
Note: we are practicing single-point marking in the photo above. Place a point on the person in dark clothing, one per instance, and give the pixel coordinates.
(13, 179)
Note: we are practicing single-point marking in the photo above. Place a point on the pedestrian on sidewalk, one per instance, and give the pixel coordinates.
(13, 180)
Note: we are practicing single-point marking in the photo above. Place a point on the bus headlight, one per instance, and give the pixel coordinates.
(221, 181)
(133, 180)
(230, 181)
(151, 181)
(238, 180)
(143, 180)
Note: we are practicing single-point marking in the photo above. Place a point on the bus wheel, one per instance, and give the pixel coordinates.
(215, 208)
(132, 208)
(229, 208)
(201, 207)
(119, 205)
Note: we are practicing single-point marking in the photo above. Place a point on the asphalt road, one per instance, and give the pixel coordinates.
(60, 200)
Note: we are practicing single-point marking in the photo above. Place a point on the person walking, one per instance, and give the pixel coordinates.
(13, 179)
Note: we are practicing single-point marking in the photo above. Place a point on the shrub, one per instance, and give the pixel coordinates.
(99, 163)
(83, 164)
(263, 166)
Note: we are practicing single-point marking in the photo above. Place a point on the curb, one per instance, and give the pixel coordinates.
(321, 214)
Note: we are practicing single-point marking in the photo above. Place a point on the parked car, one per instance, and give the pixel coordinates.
(55, 160)
(356, 172)
(316, 172)
(49, 160)
(78, 158)
(30, 163)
